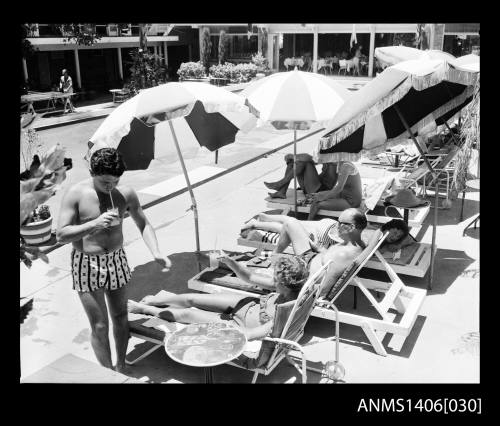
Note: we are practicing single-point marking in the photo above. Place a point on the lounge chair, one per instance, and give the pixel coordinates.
(372, 204)
(288, 329)
(413, 260)
(374, 328)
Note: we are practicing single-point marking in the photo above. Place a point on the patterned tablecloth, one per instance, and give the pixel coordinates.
(291, 62)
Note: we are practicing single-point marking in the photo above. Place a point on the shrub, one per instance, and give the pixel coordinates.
(222, 70)
(245, 72)
(259, 61)
(191, 70)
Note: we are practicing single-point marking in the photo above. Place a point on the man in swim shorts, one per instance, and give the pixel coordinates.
(91, 218)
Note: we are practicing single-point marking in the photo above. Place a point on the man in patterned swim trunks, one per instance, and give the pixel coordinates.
(98, 261)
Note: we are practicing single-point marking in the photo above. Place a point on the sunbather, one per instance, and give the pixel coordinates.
(399, 236)
(337, 187)
(318, 229)
(251, 314)
(351, 224)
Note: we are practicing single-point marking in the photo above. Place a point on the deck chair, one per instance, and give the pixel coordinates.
(288, 329)
(372, 204)
(374, 328)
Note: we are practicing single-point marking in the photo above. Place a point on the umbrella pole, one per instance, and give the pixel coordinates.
(451, 133)
(193, 200)
(434, 230)
(295, 169)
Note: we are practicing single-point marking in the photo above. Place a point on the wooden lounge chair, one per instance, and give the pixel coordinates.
(374, 328)
(413, 260)
(288, 329)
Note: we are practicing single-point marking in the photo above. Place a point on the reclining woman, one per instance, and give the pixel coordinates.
(254, 316)
(337, 187)
(351, 224)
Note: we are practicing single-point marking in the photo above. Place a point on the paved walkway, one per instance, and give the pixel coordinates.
(442, 347)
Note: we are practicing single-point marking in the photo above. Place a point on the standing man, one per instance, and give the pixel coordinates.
(91, 218)
(66, 86)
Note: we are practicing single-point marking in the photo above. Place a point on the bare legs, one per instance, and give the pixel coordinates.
(292, 232)
(307, 175)
(117, 302)
(97, 313)
(335, 204)
(210, 305)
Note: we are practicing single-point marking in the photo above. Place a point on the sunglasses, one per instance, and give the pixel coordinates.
(345, 223)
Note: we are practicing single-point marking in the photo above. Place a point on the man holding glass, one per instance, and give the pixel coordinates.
(91, 218)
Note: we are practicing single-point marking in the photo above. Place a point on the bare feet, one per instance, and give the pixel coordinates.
(134, 307)
(272, 185)
(122, 368)
(249, 225)
(277, 194)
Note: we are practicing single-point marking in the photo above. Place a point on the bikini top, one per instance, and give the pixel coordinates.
(267, 307)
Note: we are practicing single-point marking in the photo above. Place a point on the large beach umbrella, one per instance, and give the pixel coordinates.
(295, 100)
(173, 117)
(405, 98)
(392, 55)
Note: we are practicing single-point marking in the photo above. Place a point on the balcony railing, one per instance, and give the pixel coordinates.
(103, 30)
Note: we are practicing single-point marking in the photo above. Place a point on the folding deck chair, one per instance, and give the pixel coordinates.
(289, 322)
(374, 328)
(375, 211)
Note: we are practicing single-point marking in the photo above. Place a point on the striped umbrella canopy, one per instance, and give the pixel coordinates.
(425, 92)
(392, 55)
(173, 117)
(295, 100)
(405, 98)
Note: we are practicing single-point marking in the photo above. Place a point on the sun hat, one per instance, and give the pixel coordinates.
(405, 198)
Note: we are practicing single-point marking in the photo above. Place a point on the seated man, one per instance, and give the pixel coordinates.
(319, 230)
(253, 315)
(337, 187)
(351, 224)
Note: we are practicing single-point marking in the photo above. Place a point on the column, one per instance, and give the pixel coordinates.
(77, 69)
(25, 70)
(259, 39)
(120, 65)
(270, 50)
(294, 36)
(315, 49)
(277, 52)
(165, 53)
(372, 51)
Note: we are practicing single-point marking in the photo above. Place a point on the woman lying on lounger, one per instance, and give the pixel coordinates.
(253, 315)
(337, 187)
(351, 224)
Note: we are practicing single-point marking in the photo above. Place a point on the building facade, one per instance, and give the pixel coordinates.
(105, 64)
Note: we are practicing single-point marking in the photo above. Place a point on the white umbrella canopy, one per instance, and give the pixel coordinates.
(174, 99)
(392, 55)
(295, 99)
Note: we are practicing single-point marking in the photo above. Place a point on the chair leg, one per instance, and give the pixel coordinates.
(254, 379)
(374, 340)
(144, 355)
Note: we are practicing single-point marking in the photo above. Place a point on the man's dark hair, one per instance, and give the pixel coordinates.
(397, 224)
(107, 161)
(360, 220)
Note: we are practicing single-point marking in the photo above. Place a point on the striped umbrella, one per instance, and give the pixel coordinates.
(179, 117)
(406, 98)
(392, 55)
(425, 92)
(295, 100)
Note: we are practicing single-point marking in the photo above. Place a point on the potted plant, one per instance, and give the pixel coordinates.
(245, 72)
(38, 226)
(191, 71)
(261, 63)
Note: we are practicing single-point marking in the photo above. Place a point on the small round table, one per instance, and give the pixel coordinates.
(205, 345)
(473, 184)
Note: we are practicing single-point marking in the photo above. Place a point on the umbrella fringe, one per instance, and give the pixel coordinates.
(462, 77)
(418, 84)
(426, 121)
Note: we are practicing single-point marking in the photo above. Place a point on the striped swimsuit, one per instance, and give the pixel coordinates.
(94, 271)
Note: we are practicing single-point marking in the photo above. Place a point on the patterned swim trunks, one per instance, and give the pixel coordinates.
(94, 271)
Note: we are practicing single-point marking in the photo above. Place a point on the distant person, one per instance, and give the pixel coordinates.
(66, 86)
(91, 218)
(338, 187)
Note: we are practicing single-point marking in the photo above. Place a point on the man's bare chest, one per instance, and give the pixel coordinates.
(92, 204)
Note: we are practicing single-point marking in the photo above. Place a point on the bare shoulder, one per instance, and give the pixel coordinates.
(128, 192)
(78, 190)
(343, 253)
